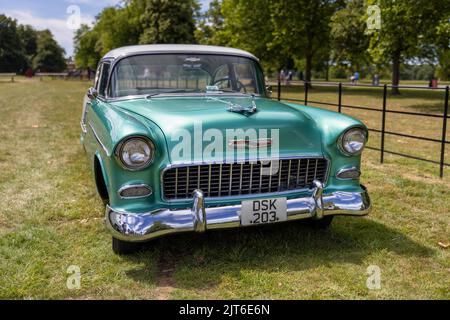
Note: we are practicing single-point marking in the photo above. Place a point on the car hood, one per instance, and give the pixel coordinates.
(298, 133)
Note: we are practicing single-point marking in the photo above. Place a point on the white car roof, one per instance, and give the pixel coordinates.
(175, 48)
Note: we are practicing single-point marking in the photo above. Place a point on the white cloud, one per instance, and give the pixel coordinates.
(205, 4)
(95, 3)
(59, 28)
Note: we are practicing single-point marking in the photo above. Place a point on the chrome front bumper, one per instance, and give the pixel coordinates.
(135, 227)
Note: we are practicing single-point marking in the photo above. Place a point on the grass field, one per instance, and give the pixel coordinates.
(51, 218)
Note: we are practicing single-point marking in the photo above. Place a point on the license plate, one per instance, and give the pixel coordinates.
(263, 211)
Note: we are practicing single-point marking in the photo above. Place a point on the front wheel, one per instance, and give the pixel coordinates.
(323, 223)
(121, 247)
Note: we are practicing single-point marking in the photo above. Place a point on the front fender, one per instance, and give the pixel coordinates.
(110, 125)
(332, 125)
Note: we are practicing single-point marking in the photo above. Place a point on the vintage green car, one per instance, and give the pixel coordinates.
(185, 138)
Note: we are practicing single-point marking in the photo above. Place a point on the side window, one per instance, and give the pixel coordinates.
(103, 79)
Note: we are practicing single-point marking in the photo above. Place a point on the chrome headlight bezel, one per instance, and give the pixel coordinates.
(120, 152)
(343, 139)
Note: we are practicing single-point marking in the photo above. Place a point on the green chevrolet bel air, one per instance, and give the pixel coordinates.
(185, 138)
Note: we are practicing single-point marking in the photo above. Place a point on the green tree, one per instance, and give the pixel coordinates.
(85, 43)
(117, 27)
(169, 21)
(137, 21)
(12, 53)
(349, 41)
(302, 28)
(404, 25)
(440, 37)
(210, 24)
(247, 24)
(28, 37)
(50, 55)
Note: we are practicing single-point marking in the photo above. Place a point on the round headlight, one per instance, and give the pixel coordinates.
(136, 153)
(353, 141)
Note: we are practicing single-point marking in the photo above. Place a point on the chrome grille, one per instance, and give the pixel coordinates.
(226, 180)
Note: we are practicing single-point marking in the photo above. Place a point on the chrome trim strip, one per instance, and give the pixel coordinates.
(231, 180)
(289, 172)
(238, 161)
(260, 178)
(220, 179)
(209, 178)
(270, 176)
(98, 140)
(315, 169)
(176, 182)
(198, 176)
(251, 175)
(135, 227)
(240, 179)
(187, 179)
(306, 172)
(129, 186)
(83, 127)
(279, 174)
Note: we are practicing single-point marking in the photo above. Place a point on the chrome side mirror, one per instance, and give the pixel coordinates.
(92, 93)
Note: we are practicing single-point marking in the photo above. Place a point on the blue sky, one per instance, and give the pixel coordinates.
(53, 15)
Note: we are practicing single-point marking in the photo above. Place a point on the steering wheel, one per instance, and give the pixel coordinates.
(239, 83)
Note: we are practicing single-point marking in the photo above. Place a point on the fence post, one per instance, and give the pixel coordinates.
(340, 98)
(444, 133)
(279, 87)
(306, 92)
(383, 123)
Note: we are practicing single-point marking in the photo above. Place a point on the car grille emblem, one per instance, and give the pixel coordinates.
(250, 144)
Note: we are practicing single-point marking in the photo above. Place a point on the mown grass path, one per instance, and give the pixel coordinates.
(51, 218)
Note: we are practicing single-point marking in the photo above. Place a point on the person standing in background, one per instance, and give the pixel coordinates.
(289, 78)
(356, 77)
(282, 75)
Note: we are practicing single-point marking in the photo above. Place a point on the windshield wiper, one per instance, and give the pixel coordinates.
(246, 94)
(162, 93)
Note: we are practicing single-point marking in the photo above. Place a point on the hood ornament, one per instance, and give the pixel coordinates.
(234, 107)
(247, 111)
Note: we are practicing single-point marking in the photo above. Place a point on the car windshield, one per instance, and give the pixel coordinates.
(155, 74)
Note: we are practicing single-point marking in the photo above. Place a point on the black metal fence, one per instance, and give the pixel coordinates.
(384, 112)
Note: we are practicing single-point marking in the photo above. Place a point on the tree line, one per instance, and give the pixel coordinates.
(319, 37)
(23, 48)
(136, 22)
(368, 36)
